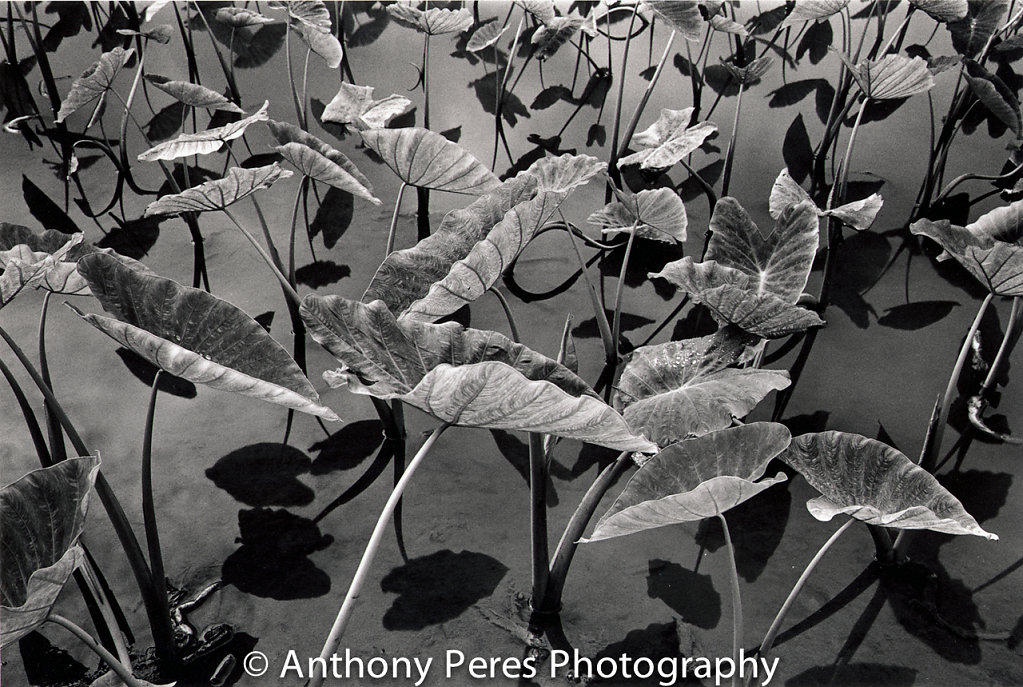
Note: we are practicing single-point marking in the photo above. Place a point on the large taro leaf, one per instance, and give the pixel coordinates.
(683, 16)
(735, 297)
(696, 479)
(687, 388)
(433, 21)
(873, 482)
(194, 335)
(751, 73)
(657, 214)
(51, 268)
(553, 34)
(779, 261)
(286, 132)
(203, 142)
(218, 194)
(425, 159)
(997, 97)
(892, 77)
(323, 169)
(41, 517)
(942, 10)
(813, 10)
(310, 19)
(859, 214)
(668, 140)
(971, 33)
(192, 94)
(406, 276)
(485, 36)
(354, 105)
(463, 376)
(94, 82)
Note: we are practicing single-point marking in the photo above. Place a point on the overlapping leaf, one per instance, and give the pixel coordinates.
(942, 10)
(859, 214)
(94, 82)
(286, 132)
(192, 94)
(321, 168)
(683, 16)
(998, 98)
(218, 194)
(354, 105)
(696, 479)
(812, 10)
(203, 142)
(553, 34)
(892, 76)
(872, 482)
(52, 268)
(42, 516)
(311, 21)
(991, 248)
(426, 159)
(688, 388)
(668, 140)
(239, 17)
(434, 21)
(971, 33)
(194, 335)
(657, 214)
(751, 73)
(464, 376)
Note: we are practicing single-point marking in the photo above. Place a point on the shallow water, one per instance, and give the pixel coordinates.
(466, 518)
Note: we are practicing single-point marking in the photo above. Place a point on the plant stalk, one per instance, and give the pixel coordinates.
(538, 515)
(737, 625)
(616, 327)
(122, 670)
(394, 219)
(148, 506)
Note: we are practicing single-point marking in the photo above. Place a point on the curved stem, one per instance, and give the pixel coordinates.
(737, 626)
(598, 311)
(508, 314)
(277, 269)
(122, 671)
(148, 506)
(772, 632)
(1008, 343)
(927, 461)
(355, 588)
(56, 438)
(394, 220)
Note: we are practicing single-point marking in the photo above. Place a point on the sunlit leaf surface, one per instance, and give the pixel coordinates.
(42, 516)
(872, 482)
(892, 77)
(192, 94)
(812, 10)
(51, 268)
(668, 140)
(203, 142)
(433, 21)
(94, 82)
(218, 194)
(426, 159)
(194, 335)
(943, 10)
(681, 15)
(859, 214)
(355, 105)
(321, 168)
(696, 479)
(657, 214)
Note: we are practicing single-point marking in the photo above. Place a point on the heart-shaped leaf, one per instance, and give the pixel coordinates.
(735, 297)
(892, 77)
(192, 94)
(552, 35)
(683, 16)
(50, 269)
(434, 21)
(426, 159)
(668, 140)
(687, 388)
(696, 479)
(485, 36)
(240, 17)
(310, 19)
(859, 214)
(543, 10)
(286, 132)
(751, 73)
(657, 214)
(872, 482)
(998, 98)
(203, 142)
(321, 168)
(991, 248)
(94, 82)
(943, 10)
(194, 335)
(220, 193)
(971, 33)
(354, 105)
(812, 10)
(41, 517)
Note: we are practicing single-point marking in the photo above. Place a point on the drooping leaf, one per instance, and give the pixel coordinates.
(942, 10)
(872, 482)
(203, 142)
(720, 22)
(668, 140)
(321, 168)
(812, 10)
(218, 194)
(160, 33)
(991, 249)
(891, 77)
(485, 36)
(687, 388)
(42, 516)
(311, 21)
(426, 159)
(194, 335)
(354, 105)
(859, 214)
(550, 36)
(51, 268)
(681, 15)
(94, 81)
(285, 133)
(543, 10)
(971, 34)
(751, 73)
(997, 97)
(657, 214)
(696, 479)
(192, 94)
(240, 17)
(434, 21)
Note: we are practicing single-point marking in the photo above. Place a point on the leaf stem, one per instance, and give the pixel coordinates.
(508, 314)
(354, 589)
(616, 327)
(737, 625)
(148, 505)
(277, 269)
(538, 516)
(394, 219)
(122, 671)
(726, 177)
(56, 438)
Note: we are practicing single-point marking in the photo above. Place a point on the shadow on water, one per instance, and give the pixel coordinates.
(689, 594)
(757, 528)
(348, 447)
(272, 561)
(439, 587)
(656, 641)
(264, 474)
(516, 452)
(322, 273)
(145, 371)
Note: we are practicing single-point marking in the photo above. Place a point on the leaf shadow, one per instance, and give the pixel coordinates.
(348, 447)
(656, 641)
(516, 452)
(320, 273)
(264, 474)
(689, 594)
